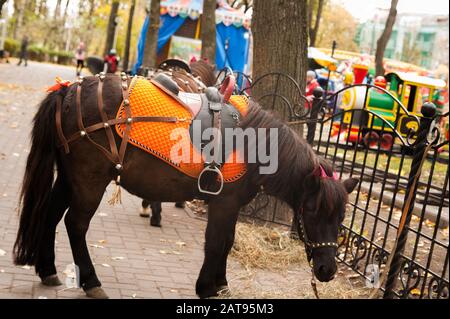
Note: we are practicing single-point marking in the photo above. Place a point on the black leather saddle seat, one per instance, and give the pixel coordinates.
(202, 107)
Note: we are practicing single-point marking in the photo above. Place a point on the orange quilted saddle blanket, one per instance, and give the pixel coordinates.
(146, 99)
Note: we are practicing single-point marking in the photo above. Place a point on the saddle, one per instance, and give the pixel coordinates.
(196, 113)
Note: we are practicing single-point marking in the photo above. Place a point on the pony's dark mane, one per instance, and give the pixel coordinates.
(295, 178)
(205, 71)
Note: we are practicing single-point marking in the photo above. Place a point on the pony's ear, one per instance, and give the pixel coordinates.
(350, 184)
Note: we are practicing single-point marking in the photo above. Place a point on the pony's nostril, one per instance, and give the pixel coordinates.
(326, 273)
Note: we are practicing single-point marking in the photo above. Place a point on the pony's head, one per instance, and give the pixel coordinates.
(321, 213)
(307, 183)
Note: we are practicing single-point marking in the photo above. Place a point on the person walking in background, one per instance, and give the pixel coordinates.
(111, 61)
(311, 84)
(24, 51)
(80, 55)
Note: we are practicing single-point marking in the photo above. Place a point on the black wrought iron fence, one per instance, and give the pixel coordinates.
(384, 148)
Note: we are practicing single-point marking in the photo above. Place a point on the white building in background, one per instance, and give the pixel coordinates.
(421, 39)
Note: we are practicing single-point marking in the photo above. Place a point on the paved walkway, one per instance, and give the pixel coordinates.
(132, 259)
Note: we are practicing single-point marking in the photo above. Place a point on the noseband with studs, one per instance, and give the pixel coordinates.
(310, 245)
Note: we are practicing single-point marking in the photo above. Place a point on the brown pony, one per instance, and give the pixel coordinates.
(84, 173)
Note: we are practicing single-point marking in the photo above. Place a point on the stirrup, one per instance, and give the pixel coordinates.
(219, 174)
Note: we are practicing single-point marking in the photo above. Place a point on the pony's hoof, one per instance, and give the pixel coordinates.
(51, 281)
(96, 293)
(144, 212)
(205, 291)
(179, 204)
(155, 222)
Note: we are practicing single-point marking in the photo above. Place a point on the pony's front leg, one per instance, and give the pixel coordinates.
(222, 217)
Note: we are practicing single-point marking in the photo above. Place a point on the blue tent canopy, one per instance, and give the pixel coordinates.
(232, 39)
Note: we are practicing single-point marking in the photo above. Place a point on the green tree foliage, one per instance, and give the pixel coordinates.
(339, 25)
(54, 26)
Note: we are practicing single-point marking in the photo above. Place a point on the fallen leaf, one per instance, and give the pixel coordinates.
(2, 252)
(163, 252)
(106, 265)
(173, 290)
(133, 296)
(102, 214)
(415, 292)
(102, 241)
(16, 154)
(175, 252)
(180, 243)
(96, 246)
(429, 223)
(42, 297)
(117, 258)
(26, 267)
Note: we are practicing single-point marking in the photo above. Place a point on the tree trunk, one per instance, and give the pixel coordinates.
(2, 2)
(57, 12)
(384, 38)
(280, 36)
(314, 28)
(280, 33)
(65, 13)
(111, 30)
(151, 40)
(126, 56)
(19, 9)
(208, 30)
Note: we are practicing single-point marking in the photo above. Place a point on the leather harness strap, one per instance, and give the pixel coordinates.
(115, 156)
(81, 127)
(126, 104)
(104, 116)
(59, 129)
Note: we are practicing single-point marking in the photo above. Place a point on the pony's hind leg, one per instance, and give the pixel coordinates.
(85, 201)
(45, 264)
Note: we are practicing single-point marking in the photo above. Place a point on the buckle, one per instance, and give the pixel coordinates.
(215, 107)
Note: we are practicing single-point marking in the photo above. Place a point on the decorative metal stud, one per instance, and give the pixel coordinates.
(83, 133)
(80, 79)
(106, 125)
(129, 120)
(126, 102)
(118, 167)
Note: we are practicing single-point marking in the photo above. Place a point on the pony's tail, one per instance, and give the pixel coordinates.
(37, 182)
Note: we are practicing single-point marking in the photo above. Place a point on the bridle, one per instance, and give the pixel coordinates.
(311, 245)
